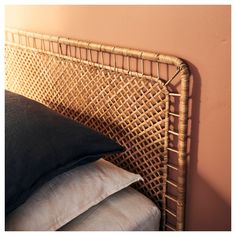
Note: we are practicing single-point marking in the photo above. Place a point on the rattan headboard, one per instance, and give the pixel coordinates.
(138, 98)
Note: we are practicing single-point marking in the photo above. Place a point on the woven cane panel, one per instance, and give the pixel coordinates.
(131, 110)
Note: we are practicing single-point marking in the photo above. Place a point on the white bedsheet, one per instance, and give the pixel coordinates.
(127, 210)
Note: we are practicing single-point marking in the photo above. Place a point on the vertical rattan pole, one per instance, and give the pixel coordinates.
(183, 110)
(97, 57)
(80, 54)
(158, 71)
(76, 52)
(165, 161)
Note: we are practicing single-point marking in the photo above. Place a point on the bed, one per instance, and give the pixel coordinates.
(138, 99)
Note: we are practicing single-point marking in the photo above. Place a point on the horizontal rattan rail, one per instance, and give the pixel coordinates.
(130, 95)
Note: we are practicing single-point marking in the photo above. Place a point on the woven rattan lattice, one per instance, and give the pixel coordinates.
(126, 94)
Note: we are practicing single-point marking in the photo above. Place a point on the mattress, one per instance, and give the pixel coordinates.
(126, 210)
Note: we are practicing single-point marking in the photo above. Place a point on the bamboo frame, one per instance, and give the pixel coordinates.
(22, 42)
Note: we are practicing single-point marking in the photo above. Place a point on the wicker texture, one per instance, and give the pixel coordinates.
(131, 108)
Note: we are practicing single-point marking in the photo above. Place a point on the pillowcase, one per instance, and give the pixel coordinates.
(40, 144)
(68, 195)
(126, 210)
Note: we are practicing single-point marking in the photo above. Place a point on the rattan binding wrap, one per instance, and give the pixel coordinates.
(117, 91)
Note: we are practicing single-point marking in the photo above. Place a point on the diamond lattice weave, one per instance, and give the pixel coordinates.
(132, 110)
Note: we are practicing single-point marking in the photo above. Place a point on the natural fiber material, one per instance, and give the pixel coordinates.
(109, 95)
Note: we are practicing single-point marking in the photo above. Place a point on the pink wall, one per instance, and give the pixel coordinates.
(199, 34)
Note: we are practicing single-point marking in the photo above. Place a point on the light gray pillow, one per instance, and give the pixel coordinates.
(68, 195)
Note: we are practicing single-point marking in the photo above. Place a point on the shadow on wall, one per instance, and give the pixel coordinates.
(211, 212)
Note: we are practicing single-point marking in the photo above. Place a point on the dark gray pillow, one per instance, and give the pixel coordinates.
(40, 144)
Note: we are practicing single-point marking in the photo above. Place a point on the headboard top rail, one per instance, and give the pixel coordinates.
(145, 55)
